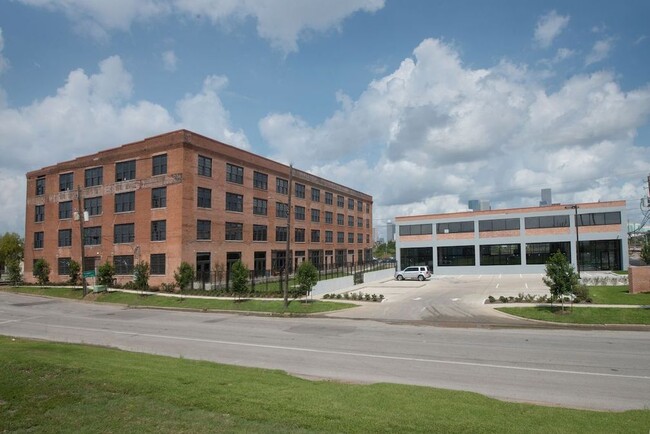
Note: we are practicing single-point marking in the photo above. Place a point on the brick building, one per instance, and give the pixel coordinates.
(181, 196)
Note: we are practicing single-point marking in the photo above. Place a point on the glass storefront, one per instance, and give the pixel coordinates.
(416, 256)
(600, 255)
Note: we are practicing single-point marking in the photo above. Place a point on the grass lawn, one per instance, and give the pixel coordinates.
(249, 305)
(617, 295)
(582, 315)
(47, 387)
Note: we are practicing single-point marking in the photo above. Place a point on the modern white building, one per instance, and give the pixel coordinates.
(516, 240)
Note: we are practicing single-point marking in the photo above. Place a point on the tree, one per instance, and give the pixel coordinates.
(141, 276)
(105, 274)
(42, 271)
(306, 278)
(11, 247)
(645, 252)
(219, 272)
(13, 269)
(560, 277)
(184, 275)
(74, 270)
(239, 276)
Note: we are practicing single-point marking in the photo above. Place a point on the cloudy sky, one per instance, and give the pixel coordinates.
(422, 104)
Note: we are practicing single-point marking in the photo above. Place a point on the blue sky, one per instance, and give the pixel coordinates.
(423, 104)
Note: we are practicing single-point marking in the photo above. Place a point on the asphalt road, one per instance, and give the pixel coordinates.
(602, 370)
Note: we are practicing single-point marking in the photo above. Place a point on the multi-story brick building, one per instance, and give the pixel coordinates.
(516, 240)
(181, 196)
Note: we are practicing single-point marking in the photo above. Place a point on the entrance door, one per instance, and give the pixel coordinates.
(203, 266)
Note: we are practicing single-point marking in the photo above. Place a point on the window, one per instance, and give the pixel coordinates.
(367, 208)
(93, 236)
(205, 166)
(539, 253)
(340, 201)
(359, 206)
(93, 205)
(234, 202)
(124, 233)
(456, 256)
(159, 197)
(259, 206)
(329, 236)
(359, 222)
(455, 227)
(315, 195)
(158, 230)
(94, 176)
(350, 204)
(65, 237)
(315, 215)
(39, 213)
(234, 231)
(39, 239)
(66, 181)
(300, 190)
(259, 232)
(340, 219)
(159, 167)
(203, 229)
(40, 186)
(329, 217)
(281, 233)
(351, 221)
(125, 202)
(125, 170)
(360, 238)
(123, 264)
(367, 223)
(350, 237)
(300, 213)
(547, 221)
(300, 235)
(65, 210)
(599, 218)
(157, 264)
(315, 236)
(340, 237)
(329, 198)
(204, 197)
(501, 254)
(281, 186)
(498, 225)
(261, 180)
(63, 266)
(281, 210)
(234, 173)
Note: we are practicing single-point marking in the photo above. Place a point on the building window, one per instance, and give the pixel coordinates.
(65, 210)
(159, 197)
(124, 170)
(329, 198)
(158, 230)
(498, 225)
(157, 264)
(359, 206)
(315, 195)
(234, 231)
(300, 213)
(501, 254)
(456, 256)
(281, 210)
(234, 173)
(63, 267)
(340, 237)
(159, 166)
(65, 237)
(340, 201)
(66, 181)
(340, 219)
(204, 197)
(204, 166)
(360, 238)
(259, 232)
(300, 190)
(93, 205)
(329, 217)
(281, 233)
(39, 213)
(315, 236)
(367, 223)
(261, 180)
(234, 202)
(359, 222)
(367, 208)
(599, 218)
(124, 233)
(39, 238)
(94, 176)
(315, 215)
(455, 227)
(539, 253)
(351, 221)
(423, 229)
(203, 230)
(125, 202)
(300, 235)
(350, 237)
(93, 236)
(259, 206)
(351, 204)
(329, 236)
(281, 186)
(40, 186)
(123, 264)
(547, 221)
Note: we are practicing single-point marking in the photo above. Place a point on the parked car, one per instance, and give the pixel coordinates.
(419, 272)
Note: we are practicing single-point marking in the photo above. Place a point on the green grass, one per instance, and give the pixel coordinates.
(247, 305)
(617, 295)
(47, 387)
(582, 315)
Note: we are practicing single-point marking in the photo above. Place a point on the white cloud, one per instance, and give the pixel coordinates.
(549, 27)
(563, 54)
(599, 51)
(4, 63)
(170, 60)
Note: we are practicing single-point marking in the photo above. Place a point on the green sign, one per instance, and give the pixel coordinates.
(90, 273)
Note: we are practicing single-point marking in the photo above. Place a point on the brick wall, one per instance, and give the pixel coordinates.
(639, 278)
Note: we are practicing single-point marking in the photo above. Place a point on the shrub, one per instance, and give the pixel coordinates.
(367, 297)
(105, 274)
(167, 287)
(346, 296)
(502, 299)
(184, 275)
(239, 277)
(581, 293)
(491, 299)
(381, 297)
(339, 296)
(326, 296)
(42, 271)
(141, 276)
(74, 272)
(355, 296)
(13, 269)
(374, 297)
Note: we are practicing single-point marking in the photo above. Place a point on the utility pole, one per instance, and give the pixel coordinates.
(575, 208)
(82, 240)
(288, 252)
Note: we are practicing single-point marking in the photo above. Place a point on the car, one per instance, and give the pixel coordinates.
(419, 272)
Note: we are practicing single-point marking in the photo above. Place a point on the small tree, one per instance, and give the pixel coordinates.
(13, 269)
(42, 271)
(74, 270)
(184, 275)
(239, 276)
(306, 278)
(219, 272)
(11, 247)
(560, 277)
(105, 274)
(645, 252)
(141, 276)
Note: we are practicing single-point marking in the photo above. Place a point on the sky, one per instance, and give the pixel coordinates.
(423, 104)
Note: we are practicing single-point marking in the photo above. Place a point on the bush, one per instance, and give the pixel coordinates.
(13, 269)
(326, 296)
(491, 299)
(346, 296)
(141, 276)
(184, 275)
(581, 293)
(239, 277)
(502, 299)
(42, 271)
(167, 287)
(105, 274)
(74, 272)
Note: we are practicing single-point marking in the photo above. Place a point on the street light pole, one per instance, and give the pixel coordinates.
(288, 252)
(82, 241)
(575, 208)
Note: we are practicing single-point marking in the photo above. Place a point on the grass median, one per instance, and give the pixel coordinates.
(582, 314)
(48, 387)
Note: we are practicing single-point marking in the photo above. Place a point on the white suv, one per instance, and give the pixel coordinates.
(420, 272)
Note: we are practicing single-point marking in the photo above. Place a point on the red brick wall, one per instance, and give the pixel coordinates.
(639, 278)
